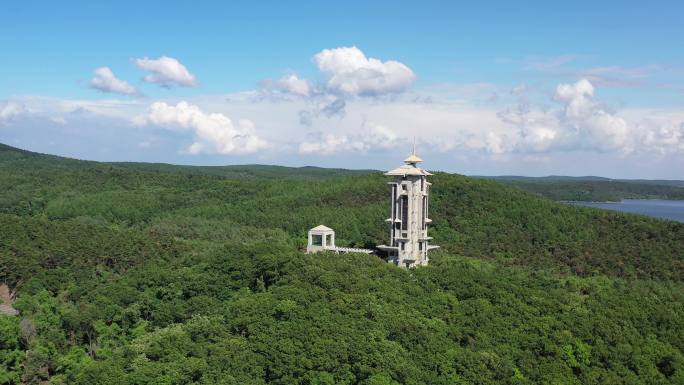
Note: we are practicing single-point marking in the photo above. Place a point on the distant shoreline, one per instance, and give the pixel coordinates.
(571, 202)
(665, 209)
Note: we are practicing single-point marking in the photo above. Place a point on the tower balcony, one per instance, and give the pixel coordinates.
(388, 248)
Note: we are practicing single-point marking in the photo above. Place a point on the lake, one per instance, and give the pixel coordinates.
(666, 209)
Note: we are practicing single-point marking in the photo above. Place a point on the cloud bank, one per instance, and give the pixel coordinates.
(372, 137)
(571, 119)
(581, 123)
(10, 110)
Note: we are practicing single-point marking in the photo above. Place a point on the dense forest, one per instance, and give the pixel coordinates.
(595, 189)
(158, 274)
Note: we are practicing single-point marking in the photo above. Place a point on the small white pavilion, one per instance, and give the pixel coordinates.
(322, 238)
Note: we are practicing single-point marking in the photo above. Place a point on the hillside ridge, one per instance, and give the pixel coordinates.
(259, 170)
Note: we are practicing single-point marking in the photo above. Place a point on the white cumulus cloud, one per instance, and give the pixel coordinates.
(214, 133)
(577, 98)
(105, 81)
(596, 127)
(291, 84)
(166, 71)
(351, 72)
(349, 75)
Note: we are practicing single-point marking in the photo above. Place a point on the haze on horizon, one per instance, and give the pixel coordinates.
(493, 89)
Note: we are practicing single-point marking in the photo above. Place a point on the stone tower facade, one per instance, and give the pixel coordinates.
(408, 221)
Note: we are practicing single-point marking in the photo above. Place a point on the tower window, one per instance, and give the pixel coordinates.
(401, 245)
(394, 200)
(404, 212)
(424, 212)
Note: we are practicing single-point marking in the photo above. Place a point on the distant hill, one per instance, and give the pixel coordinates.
(249, 171)
(560, 178)
(24, 158)
(549, 178)
(593, 188)
(133, 273)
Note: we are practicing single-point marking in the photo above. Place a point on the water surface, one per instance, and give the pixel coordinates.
(664, 209)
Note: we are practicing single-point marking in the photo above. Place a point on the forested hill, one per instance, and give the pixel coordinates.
(252, 171)
(147, 274)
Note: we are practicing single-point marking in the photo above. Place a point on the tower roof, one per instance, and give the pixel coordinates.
(410, 168)
(407, 169)
(412, 159)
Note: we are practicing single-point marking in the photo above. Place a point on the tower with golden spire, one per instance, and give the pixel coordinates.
(408, 221)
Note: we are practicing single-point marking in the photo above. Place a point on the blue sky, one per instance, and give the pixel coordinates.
(529, 88)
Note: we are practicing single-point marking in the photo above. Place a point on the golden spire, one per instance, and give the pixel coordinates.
(413, 159)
